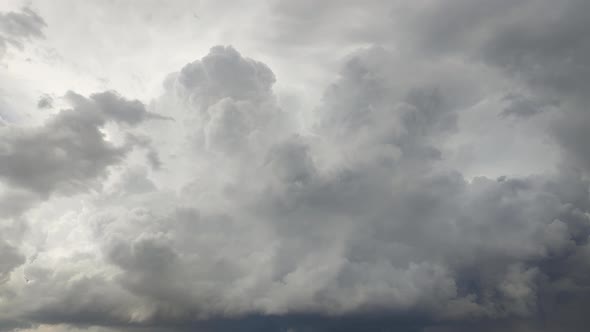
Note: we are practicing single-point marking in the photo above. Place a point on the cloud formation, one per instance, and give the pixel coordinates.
(406, 203)
(16, 28)
(69, 150)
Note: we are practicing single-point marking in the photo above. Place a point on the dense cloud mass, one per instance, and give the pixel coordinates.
(442, 182)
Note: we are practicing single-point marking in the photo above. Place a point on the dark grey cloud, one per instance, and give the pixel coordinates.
(542, 44)
(69, 151)
(361, 221)
(16, 28)
(365, 222)
(68, 154)
(523, 107)
(412, 224)
(9, 259)
(45, 101)
(62, 155)
(571, 132)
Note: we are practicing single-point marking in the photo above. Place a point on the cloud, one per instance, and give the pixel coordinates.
(223, 73)
(45, 101)
(541, 44)
(367, 219)
(227, 100)
(69, 152)
(9, 259)
(240, 218)
(16, 28)
(521, 106)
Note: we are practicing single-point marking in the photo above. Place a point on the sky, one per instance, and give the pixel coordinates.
(294, 166)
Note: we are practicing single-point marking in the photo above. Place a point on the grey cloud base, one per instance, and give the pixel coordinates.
(69, 150)
(16, 28)
(224, 214)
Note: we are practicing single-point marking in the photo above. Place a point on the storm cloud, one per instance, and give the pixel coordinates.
(440, 182)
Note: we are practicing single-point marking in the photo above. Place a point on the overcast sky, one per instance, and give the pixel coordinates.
(294, 165)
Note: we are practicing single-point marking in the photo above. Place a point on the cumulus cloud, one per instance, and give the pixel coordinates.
(235, 217)
(69, 151)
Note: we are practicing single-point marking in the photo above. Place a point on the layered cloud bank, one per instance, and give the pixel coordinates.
(440, 184)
